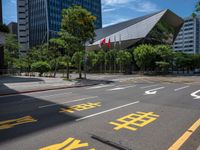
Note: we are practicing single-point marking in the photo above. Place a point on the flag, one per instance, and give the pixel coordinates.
(109, 46)
(103, 42)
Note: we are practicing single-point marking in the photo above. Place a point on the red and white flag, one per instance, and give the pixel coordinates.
(103, 42)
(109, 46)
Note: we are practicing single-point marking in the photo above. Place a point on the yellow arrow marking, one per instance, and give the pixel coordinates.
(69, 144)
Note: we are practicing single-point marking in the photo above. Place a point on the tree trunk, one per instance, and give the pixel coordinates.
(79, 70)
(55, 71)
(101, 67)
(104, 67)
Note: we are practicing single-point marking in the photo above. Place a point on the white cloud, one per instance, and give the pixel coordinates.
(144, 6)
(136, 5)
(115, 2)
(108, 10)
(114, 10)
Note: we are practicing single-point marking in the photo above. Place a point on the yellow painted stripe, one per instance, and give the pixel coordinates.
(185, 136)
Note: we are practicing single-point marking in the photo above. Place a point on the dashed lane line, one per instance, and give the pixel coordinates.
(145, 87)
(121, 88)
(109, 110)
(77, 100)
(181, 88)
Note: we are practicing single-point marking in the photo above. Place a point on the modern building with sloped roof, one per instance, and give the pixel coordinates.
(156, 28)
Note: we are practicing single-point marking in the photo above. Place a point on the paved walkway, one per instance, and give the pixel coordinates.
(16, 84)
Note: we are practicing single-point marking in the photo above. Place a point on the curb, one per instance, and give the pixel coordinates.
(48, 89)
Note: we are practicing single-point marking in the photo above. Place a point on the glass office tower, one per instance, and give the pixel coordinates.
(44, 19)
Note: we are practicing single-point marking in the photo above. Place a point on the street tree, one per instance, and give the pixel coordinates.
(79, 23)
(101, 59)
(41, 67)
(145, 56)
(91, 59)
(78, 58)
(124, 58)
(11, 49)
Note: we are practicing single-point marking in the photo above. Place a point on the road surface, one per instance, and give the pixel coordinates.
(147, 116)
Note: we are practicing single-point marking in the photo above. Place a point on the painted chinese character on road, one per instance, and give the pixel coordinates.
(133, 121)
(81, 107)
(14, 122)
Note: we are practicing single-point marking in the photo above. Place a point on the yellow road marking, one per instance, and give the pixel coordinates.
(139, 119)
(14, 122)
(81, 107)
(69, 144)
(185, 136)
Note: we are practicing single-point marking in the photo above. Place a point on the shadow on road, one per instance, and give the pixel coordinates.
(37, 120)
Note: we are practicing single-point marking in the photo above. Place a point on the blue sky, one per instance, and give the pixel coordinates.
(115, 11)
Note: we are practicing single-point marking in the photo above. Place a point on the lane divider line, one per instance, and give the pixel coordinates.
(181, 88)
(78, 100)
(121, 88)
(145, 87)
(109, 110)
(177, 145)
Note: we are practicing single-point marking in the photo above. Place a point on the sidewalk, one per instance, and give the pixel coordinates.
(19, 85)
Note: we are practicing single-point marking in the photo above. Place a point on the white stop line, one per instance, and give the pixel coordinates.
(195, 94)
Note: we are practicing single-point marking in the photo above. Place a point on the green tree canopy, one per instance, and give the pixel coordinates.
(145, 56)
(79, 23)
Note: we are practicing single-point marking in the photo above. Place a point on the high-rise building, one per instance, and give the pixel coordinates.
(39, 20)
(1, 47)
(1, 16)
(188, 39)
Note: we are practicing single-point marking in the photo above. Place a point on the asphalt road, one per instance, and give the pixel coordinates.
(150, 116)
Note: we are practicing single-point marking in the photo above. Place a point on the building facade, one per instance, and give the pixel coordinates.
(1, 46)
(12, 26)
(188, 39)
(40, 20)
(157, 28)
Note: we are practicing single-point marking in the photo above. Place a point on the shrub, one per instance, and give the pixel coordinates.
(41, 67)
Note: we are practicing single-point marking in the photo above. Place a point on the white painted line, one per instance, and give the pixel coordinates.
(153, 91)
(195, 95)
(77, 100)
(121, 88)
(198, 148)
(145, 87)
(100, 86)
(109, 110)
(46, 96)
(181, 88)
